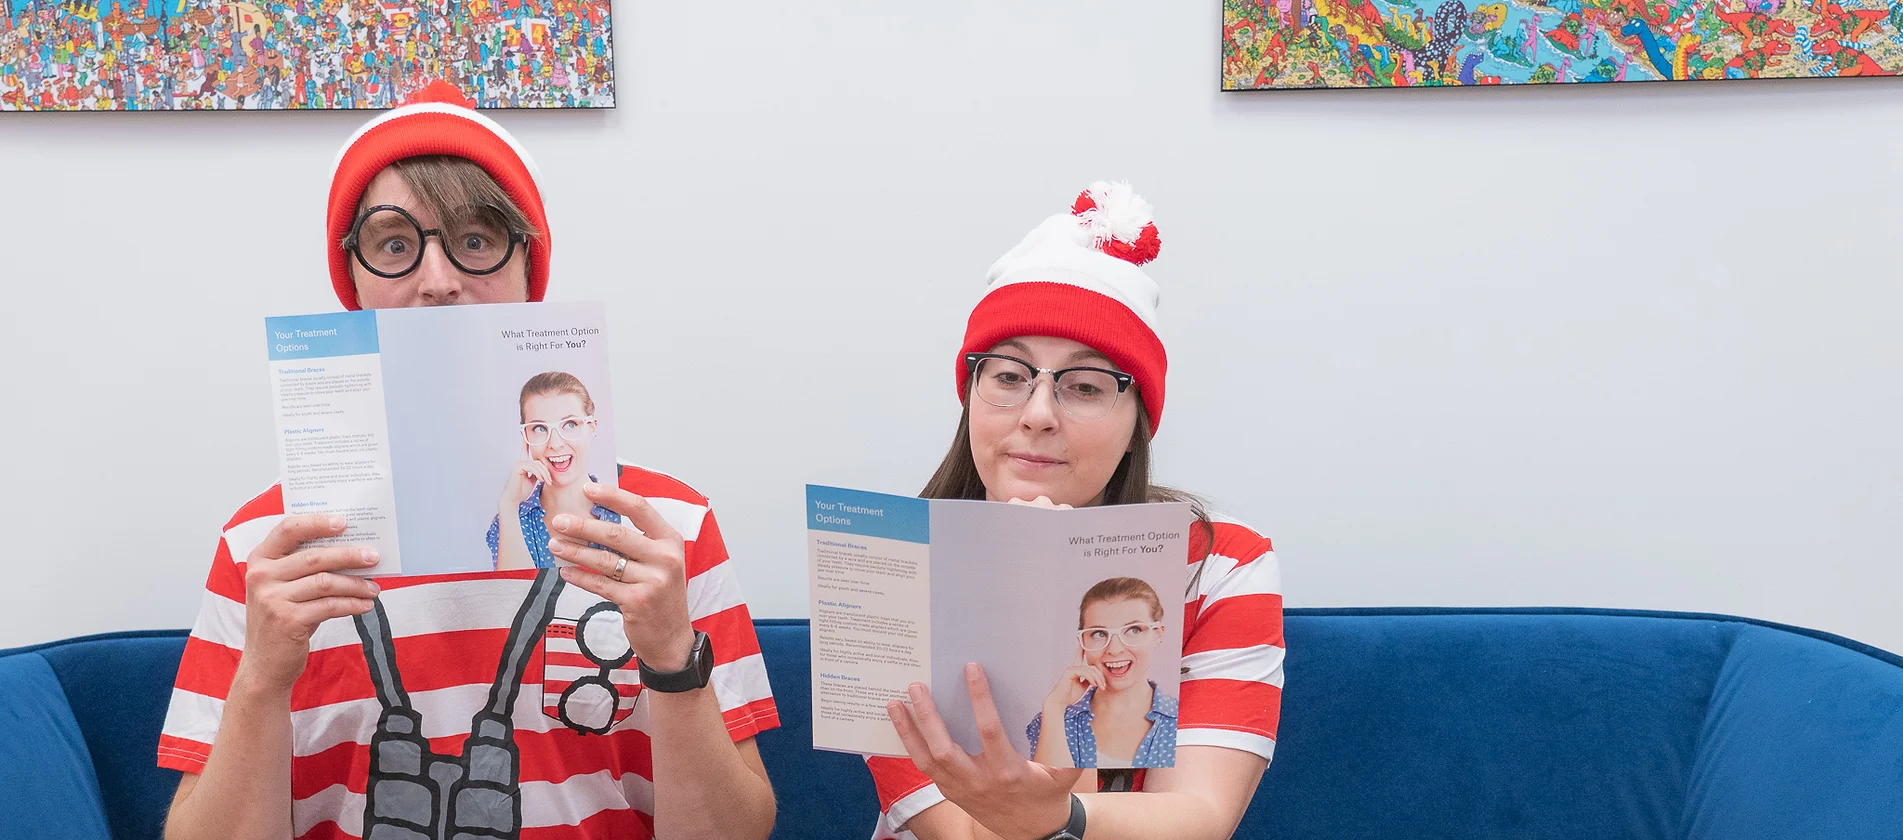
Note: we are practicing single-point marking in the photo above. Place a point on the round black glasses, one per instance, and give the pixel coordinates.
(388, 242)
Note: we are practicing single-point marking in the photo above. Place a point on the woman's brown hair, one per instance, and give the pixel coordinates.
(1121, 589)
(550, 383)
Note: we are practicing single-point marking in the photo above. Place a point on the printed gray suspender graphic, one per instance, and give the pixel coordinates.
(416, 794)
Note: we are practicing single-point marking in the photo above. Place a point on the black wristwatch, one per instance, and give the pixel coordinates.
(700, 666)
(1073, 830)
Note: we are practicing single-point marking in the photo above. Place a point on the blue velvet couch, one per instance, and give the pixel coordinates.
(1397, 723)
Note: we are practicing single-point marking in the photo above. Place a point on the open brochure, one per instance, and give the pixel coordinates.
(1075, 614)
(443, 434)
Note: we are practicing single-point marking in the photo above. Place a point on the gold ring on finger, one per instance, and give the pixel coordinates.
(620, 566)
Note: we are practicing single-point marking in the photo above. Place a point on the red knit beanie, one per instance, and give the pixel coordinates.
(1076, 276)
(437, 120)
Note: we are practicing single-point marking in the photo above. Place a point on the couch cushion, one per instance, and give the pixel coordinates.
(45, 768)
(1465, 724)
(821, 794)
(1804, 740)
(119, 686)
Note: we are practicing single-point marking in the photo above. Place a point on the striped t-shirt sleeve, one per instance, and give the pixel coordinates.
(1232, 657)
(211, 653)
(716, 607)
(904, 793)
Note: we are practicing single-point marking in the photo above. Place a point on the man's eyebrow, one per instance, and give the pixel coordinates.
(382, 221)
(1087, 355)
(472, 212)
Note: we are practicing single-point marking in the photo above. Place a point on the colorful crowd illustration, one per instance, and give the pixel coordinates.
(283, 54)
(1409, 43)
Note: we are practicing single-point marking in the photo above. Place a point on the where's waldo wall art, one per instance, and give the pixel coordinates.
(138, 55)
(1276, 44)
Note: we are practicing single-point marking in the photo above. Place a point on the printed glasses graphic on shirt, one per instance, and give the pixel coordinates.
(586, 683)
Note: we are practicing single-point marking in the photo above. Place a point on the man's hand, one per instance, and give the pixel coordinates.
(651, 590)
(289, 590)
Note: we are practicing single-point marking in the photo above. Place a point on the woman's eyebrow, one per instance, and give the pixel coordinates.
(1088, 355)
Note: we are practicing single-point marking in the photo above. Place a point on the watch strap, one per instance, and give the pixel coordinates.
(700, 667)
(1073, 830)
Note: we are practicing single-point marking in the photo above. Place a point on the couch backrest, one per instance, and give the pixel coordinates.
(1803, 739)
(1561, 724)
(119, 687)
(1395, 724)
(821, 794)
(46, 769)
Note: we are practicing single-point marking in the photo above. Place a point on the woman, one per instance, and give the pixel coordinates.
(1113, 714)
(1062, 378)
(558, 424)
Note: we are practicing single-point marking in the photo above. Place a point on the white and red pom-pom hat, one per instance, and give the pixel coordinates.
(1077, 276)
(436, 120)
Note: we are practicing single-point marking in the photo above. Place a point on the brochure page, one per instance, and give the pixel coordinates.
(444, 435)
(869, 557)
(1075, 615)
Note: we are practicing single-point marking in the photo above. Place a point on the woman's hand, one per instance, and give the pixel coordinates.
(1041, 501)
(652, 589)
(521, 482)
(1014, 797)
(289, 590)
(1070, 688)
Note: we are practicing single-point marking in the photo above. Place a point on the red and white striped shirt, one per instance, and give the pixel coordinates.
(1232, 660)
(448, 633)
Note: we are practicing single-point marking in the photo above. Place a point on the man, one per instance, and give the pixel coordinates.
(314, 703)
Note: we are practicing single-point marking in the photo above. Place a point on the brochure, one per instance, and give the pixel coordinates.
(443, 434)
(1077, 613)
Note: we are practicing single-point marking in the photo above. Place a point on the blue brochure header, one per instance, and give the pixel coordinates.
(865, 514)
(321, 336)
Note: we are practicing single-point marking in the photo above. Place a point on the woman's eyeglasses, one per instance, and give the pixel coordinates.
(572, 429)
(388, 242)
(1135, 636)
(1085, 393)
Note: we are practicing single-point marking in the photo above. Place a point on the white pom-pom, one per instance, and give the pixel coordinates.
(1108, 211)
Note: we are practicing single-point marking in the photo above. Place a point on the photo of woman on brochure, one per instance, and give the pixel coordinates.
(558, 427)
(1113, 714)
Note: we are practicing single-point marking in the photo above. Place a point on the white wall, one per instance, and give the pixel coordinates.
(1628, 346)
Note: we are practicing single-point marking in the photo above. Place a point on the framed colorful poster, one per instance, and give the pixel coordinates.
(1278, 44)
(138, 55)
